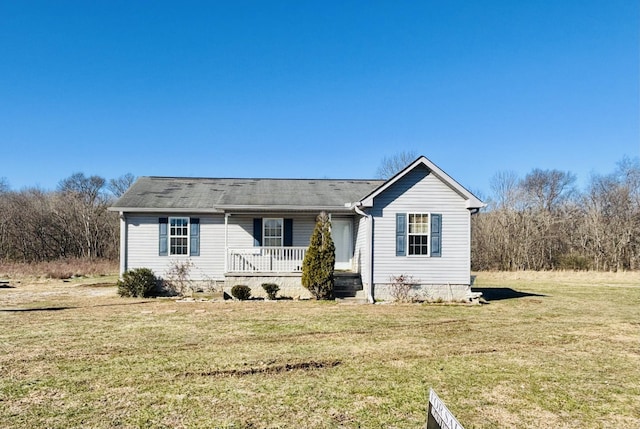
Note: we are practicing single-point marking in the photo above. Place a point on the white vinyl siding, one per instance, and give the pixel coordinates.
(142, 248)
(419, 192)
(142, 241)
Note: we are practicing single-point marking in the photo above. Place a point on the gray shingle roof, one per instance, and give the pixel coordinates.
(201, 194)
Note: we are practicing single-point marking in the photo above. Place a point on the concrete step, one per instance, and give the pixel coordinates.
(358, 298)
(347, 285)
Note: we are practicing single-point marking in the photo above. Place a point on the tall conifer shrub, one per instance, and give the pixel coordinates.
(319, 261)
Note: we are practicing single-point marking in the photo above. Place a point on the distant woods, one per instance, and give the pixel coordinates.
(543, 222)
(70, 222)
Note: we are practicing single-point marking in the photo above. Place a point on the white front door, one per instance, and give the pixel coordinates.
(342, 235)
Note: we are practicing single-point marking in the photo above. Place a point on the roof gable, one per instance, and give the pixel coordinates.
(472, 202)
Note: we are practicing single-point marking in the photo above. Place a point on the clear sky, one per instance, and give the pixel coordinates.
(314, 89)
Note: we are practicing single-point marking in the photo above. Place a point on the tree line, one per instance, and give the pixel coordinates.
(538, 222)
(70, 222)
(543, 222)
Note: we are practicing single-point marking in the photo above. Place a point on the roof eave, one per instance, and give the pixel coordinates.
(163, 210)
(236, 208)
(283, 208)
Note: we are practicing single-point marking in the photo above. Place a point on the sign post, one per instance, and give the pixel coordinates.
(439, 416)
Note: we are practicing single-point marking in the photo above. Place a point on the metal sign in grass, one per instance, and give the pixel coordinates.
(439, 416)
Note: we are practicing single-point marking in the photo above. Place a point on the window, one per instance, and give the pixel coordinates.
(272, 234)
(418, 234)
(179, 236)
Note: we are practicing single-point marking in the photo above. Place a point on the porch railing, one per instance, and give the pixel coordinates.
(265, 260)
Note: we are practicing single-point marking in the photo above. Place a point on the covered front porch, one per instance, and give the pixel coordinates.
(275, 244)
(271, 247)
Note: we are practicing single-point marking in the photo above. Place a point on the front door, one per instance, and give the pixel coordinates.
(342, 235)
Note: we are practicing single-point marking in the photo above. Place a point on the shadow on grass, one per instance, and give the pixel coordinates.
(20, 310)
(500, 293)
(26, 310)
(119, 304)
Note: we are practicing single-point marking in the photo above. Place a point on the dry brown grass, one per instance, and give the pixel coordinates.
(59, 269)
(550, 350)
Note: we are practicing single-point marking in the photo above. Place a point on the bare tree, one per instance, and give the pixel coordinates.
(4, 185)
(87, 204)
(548, 188)
(119, 185)
(389, 166)
(505, 189)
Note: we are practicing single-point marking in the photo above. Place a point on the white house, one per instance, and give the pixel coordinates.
(251, 231)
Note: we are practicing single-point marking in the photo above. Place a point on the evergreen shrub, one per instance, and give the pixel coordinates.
(271, 289)
(319, 261)
(138, 282)
(241, 292)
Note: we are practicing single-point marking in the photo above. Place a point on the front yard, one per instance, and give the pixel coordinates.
(550, 350)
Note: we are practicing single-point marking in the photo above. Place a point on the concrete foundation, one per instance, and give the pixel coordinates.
(427, 292)
(289, 283)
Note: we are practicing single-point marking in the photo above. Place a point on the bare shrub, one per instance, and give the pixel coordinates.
(178, 277)
(400, 287)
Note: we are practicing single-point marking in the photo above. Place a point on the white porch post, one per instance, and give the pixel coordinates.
(226, 242)
(123, 243)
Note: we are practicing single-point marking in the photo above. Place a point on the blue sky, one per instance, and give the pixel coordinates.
(315, 89)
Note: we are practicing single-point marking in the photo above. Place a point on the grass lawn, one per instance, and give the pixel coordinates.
(549, 350)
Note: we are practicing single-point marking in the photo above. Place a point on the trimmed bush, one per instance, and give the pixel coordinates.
(138, 282)
(241, 292)
(271, 289)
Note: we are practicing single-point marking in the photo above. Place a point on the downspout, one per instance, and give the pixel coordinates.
(472, 212)
(369, 253)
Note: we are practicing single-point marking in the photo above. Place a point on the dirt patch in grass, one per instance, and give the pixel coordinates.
(270, 368)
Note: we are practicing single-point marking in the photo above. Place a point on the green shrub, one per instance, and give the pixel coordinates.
(319, 261)
(271, 289)
(241, 292)
(138, 282)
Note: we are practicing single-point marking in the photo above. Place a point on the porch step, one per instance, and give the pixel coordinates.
(347, 285)
(358, 298)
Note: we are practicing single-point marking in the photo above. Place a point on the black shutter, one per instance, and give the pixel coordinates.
(401, 234)
(163, 244)
(194, 236)
(436, 235)
(288, 233)
(257, 232)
